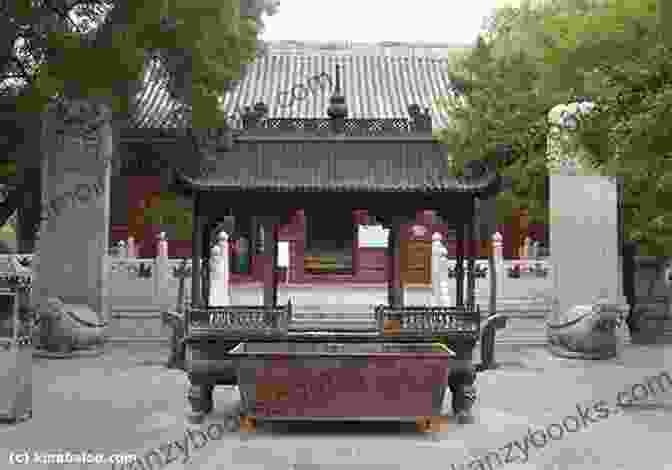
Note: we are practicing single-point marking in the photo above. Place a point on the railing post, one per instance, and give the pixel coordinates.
(440, 286)
(219, 272)
(161, 270)
(498, 247)
(131, 248)
(527, 243)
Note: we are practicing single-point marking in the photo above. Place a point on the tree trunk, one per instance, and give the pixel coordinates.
(27, 197)
(29, 211)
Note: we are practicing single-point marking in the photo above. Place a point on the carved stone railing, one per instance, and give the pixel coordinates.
(480, 269)
(143, 268)
(240, 320)
(25, 260)
(514, 269)
(136, 268)
(539, 268)
(428, 321)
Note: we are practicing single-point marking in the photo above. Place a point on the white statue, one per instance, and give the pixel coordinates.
(219, 273)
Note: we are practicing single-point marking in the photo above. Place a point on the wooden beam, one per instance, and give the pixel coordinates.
(196, 253)
(472, 246)
(269, 261)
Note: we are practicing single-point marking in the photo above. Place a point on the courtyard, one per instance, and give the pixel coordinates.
(126, 401)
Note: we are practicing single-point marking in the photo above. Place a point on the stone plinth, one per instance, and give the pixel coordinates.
(75, 208)
(584, 239)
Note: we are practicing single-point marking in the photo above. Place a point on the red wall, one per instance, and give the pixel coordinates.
(369, 263)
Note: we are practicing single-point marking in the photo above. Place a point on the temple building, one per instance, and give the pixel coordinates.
(393, 85)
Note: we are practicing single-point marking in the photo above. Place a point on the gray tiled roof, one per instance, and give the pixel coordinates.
(375, 86)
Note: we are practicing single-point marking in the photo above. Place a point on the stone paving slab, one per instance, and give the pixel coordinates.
(126, 401)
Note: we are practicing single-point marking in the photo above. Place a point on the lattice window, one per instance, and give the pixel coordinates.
(360, 127)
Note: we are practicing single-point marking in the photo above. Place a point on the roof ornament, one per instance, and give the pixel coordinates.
(420, 122)
(208, 142)
(338, 110)
(253, 117)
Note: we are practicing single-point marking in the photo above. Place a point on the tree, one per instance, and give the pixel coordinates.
(533, 58)
(616, 52)
(497, 102)
(201, 45)
(621, 58)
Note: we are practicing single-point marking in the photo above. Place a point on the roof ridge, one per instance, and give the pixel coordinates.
(351, 56)
(350, 44)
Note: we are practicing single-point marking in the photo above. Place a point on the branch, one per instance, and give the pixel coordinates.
(22, 70)
(11, 204)
(63, 15)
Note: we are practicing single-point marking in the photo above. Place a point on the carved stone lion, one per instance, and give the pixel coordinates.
(586, 331)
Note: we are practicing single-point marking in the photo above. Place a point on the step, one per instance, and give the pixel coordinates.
(333, 325)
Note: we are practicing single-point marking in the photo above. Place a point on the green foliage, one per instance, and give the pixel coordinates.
(531, 59)
(201, 44)
(621, 58)
(502, 105)
(173, 217)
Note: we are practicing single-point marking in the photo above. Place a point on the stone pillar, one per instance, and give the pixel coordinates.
(440, 287)
(77, 147)
(122, 249)
(498, 246)
(132, 247)
(583, 220)
(525, 255)
(161, 268)
(219, 272)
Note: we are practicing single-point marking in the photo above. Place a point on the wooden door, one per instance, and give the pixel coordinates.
(416, 257)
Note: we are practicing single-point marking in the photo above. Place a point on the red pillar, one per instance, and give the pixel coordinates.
(395, 287)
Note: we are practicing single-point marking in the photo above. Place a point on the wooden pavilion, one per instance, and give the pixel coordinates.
(391, 167)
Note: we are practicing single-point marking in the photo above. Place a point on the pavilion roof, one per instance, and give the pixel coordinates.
(309, 162)
(384, 143)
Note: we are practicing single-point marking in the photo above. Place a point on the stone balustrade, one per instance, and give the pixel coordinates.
(140, 278)
(514, 276)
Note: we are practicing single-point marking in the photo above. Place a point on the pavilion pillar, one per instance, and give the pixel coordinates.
(206, 248)
(269, 260)
(197, 253)
(459, 265)
(472, 248)
(395, 289)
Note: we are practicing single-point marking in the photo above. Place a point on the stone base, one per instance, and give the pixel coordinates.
(74, 354)
(18, 419)
(564, 352)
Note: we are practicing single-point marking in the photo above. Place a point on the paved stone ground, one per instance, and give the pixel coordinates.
(126, 401)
